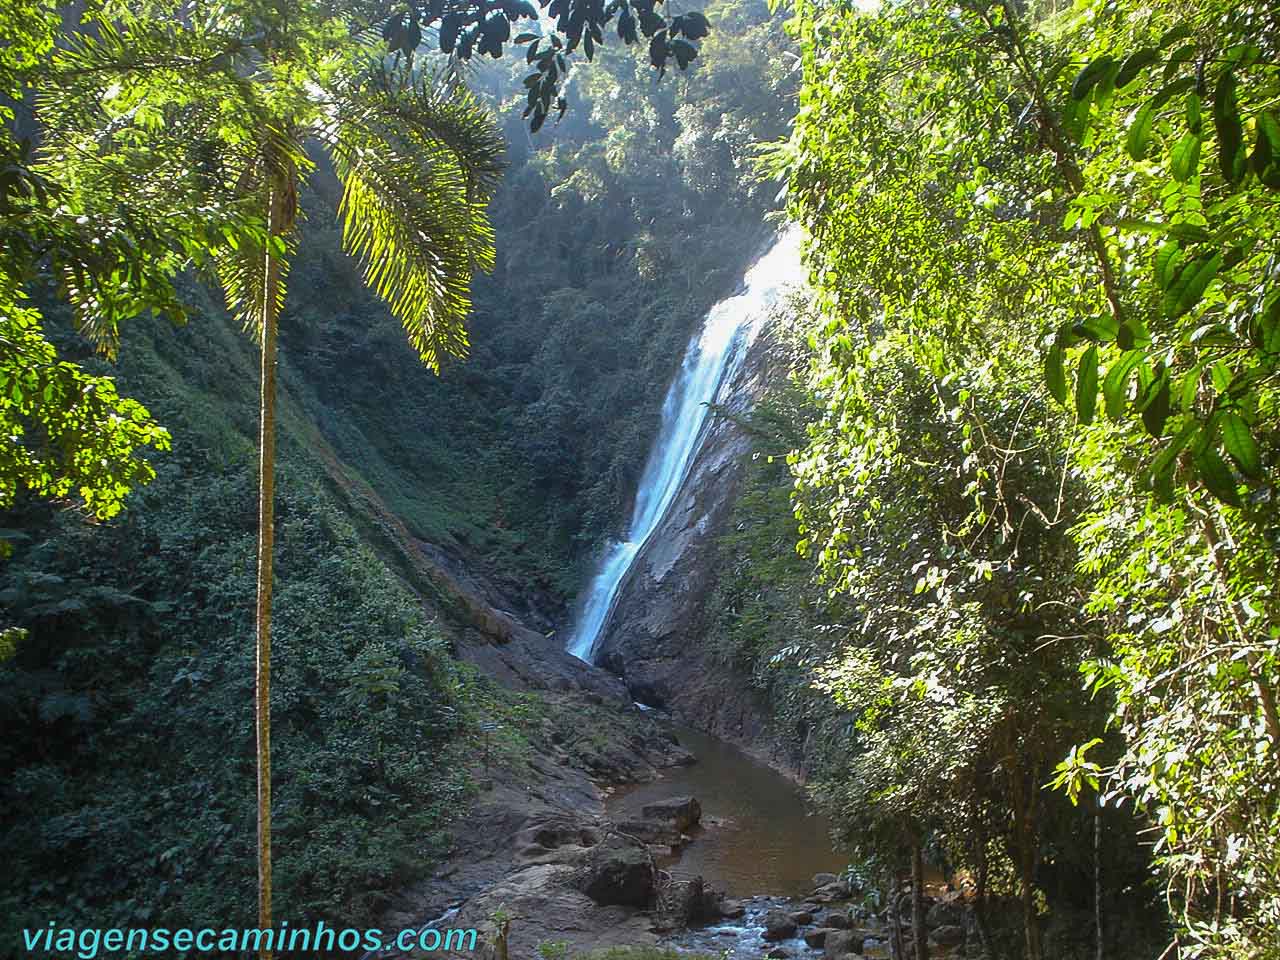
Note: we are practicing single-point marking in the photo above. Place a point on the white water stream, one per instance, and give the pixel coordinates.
(710, 363)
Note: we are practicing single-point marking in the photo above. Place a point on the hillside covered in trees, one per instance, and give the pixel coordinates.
(991, 560)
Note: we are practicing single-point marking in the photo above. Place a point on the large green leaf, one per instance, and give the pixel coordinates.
(1139, 137)
(1226, 120)
(1239, 443)
(1217, 476)
(1156, 410)
(1054, 375)
(1185, 159)
(1115, 386)
(1193, 280)
(1134, 64)
(1087, 78)
(1087, 385)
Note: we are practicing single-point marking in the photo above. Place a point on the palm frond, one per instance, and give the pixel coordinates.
(240, 261)
(418, 166)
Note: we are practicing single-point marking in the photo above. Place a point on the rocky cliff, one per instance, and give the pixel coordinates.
(654, 639)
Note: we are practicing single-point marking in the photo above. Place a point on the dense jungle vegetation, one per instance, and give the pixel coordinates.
(1032, 432)
(1004, 564)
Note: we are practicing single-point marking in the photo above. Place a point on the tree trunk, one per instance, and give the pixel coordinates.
(266, 545)
(917, 901)
(980, 901)
(896, 951)
(1097, 875)
(1026, 835)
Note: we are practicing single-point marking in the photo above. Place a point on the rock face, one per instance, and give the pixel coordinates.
(652, 640)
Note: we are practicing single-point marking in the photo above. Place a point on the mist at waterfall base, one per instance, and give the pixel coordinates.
(710, 363)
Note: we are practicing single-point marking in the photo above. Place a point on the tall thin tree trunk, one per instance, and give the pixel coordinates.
(266, 546)
(980, 900)
(1097, 875)
(917, 901)
(1026, 834)
(896, 951)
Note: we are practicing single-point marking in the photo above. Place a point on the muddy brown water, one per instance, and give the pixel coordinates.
(759, 835)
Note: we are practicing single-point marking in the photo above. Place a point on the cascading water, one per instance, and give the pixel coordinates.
(709, 366)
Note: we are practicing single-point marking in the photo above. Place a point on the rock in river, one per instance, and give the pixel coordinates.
(683, 812)
(839, 942)
(818, 936)
(778, 926)
(618, 872)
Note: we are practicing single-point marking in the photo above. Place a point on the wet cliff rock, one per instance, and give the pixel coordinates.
(654, 640)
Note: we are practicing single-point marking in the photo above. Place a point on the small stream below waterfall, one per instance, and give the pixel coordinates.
(759, 844)
(758, 837)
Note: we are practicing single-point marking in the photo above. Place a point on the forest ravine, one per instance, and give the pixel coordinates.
(826, 504)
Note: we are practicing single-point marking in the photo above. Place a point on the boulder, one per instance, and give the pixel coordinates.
(838, 920)
(681, 812)
(778, 953)
(732, 909)
(801, 917)
(947, 936)
(817, 937)
(619, 873)
(830, 893)
(778, 926)
(839, 942)
(652, 832)
(697, 903)
(822, 879)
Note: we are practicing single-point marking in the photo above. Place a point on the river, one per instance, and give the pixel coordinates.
(758, 837)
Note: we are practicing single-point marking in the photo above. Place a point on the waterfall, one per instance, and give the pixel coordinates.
(710, 363)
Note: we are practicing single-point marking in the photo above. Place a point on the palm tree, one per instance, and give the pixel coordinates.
(235, 95)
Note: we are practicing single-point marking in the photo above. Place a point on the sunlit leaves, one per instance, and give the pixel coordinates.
(67, 434)
(1239, 442)
(1139, 136)
(1108, 179)
(418, 166)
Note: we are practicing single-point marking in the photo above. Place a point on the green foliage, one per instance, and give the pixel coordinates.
(67, 433)
(1129, 532)
(418, 168)
(1187, 214)
(463, 29)
(612, 244)
(230, 99)
(128, 751)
